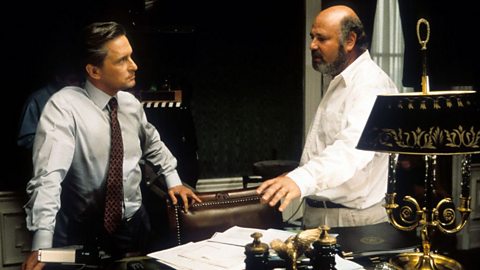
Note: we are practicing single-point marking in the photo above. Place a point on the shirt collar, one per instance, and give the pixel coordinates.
(348, 73)
(98, 97)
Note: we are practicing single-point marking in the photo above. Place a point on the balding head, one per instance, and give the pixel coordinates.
(344, 20)
(338, 13)
(338, 39)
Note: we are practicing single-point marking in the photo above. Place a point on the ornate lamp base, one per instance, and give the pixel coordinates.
(417, 260)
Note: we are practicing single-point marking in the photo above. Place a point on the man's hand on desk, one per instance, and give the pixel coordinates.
(276, 189)
(32, 263)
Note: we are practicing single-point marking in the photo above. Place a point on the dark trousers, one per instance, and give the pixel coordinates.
(130, 238)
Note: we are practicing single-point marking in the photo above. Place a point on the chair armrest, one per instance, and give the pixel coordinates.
(219, 211)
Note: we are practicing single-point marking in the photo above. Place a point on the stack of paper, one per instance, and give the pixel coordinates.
(202, 255)
(225, 251)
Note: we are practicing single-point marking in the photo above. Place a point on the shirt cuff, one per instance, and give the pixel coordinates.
(304, 181)
(173, 179)
(42, 239)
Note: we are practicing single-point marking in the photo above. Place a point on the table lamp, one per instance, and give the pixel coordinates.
(428, 124)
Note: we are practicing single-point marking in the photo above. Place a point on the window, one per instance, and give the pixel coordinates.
(387, 46)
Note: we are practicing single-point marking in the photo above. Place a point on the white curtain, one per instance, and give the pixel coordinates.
(387, 46)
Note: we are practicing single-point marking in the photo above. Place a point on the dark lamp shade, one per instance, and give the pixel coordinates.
(438, 123)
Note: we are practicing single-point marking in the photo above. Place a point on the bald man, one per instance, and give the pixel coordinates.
(342, 186)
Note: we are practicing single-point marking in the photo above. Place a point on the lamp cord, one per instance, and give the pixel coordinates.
(296, 211)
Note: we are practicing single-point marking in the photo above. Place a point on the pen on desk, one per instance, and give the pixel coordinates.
(347, 255)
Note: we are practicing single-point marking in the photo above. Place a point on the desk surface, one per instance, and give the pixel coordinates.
(356, 239)
(377, 237)
(134, 263)
(370, 238)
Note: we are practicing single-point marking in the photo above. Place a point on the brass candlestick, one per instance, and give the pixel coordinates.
(428, 218)
(428, 124)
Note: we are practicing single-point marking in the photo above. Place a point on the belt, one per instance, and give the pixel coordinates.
(323, 204)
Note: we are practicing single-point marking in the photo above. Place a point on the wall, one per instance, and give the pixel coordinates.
(451, 61)
(241, 65)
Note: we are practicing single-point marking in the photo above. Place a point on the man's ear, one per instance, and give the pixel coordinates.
(350, 41)
(93, 71)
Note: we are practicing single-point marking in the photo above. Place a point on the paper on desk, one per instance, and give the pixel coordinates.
(202, 256)
(240, 236)
(214, 256)
(217, 254)
(225, 251)
(342, 264)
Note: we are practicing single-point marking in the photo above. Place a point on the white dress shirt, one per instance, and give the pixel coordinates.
(32, 109)
(331, 167)
(71, 152)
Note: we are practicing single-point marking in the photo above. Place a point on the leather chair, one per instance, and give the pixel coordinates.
(217, 212)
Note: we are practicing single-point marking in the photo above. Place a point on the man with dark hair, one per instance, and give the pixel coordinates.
(88, 145)
(343, 186)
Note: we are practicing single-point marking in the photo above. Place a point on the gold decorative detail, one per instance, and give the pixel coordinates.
(423, 42)
(432, 102)
(449, 103)
(423, 106)
(406, 213)
(372, 240)
(441, 217)
(295, 246)
(460, 137)
(434, 138)
(449, 215)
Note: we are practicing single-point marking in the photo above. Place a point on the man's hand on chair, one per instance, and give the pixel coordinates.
(281, 188)
(184, 193)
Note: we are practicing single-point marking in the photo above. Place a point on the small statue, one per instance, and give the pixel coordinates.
(295, 246)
